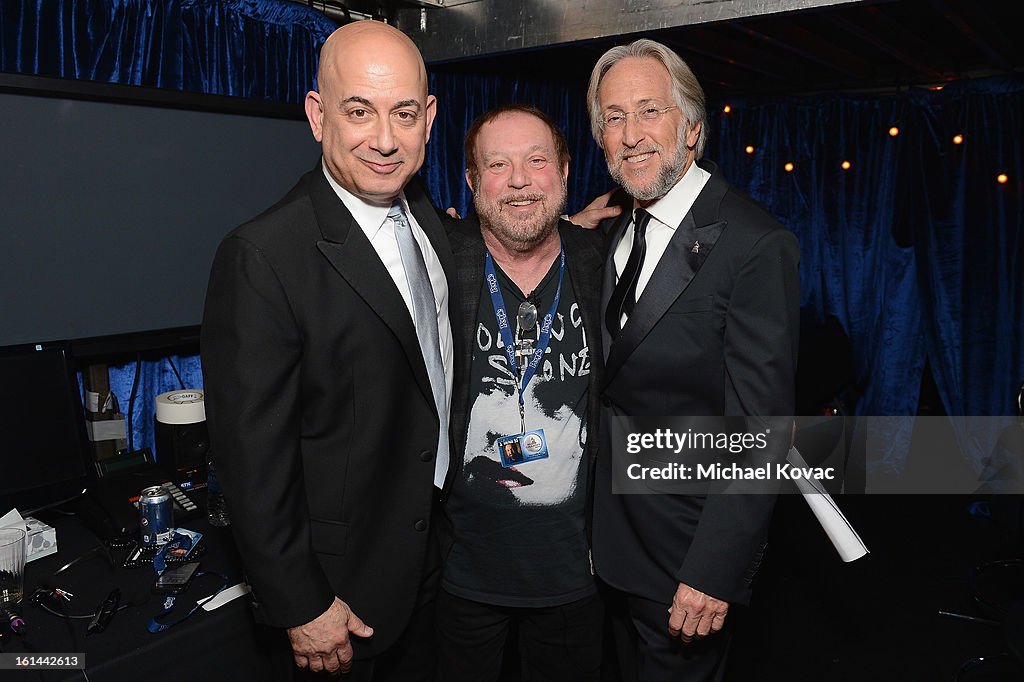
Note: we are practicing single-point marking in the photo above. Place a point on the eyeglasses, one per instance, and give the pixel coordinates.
(617, 119)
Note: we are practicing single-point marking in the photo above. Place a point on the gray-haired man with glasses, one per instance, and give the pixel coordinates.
(700, 316)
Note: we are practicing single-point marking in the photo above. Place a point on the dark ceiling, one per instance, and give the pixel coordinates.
(875, 46)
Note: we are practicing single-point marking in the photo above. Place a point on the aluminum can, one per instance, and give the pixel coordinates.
(156, 516)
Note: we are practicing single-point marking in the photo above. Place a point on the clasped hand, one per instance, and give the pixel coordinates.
(694, 615)
(324, 643)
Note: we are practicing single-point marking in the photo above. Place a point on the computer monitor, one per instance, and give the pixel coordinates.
(44, 452)
(141, 184)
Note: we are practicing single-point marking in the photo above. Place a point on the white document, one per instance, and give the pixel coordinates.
(844, 538)
(12, 519)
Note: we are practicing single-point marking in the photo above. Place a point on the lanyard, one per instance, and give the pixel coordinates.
(543, 338)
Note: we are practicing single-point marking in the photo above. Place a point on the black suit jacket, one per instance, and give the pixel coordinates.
(714, 333)
(321, 416)
(584, 260)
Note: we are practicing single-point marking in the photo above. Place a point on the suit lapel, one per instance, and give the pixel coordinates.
(468, 249)
(670, 278)
(584, 263)
(350, 253)
(674, 272)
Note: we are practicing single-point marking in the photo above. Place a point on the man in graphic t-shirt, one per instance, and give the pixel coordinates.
(523, 411)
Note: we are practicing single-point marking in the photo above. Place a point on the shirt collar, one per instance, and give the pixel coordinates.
(670, 208)
(369, 216)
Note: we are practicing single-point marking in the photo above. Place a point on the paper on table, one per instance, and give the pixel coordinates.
(223, 597)
(12, 519)
(844, 538)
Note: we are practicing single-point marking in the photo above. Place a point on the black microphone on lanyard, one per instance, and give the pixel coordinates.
(527, 319)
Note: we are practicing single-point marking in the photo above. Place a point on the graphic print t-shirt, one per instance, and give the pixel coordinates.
(519, 531)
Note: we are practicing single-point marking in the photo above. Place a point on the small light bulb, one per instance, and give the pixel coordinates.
(958, 139)
(726, 109)
(788, 167)
(749, 149)
(845, 165)
(1002, 178)
(894, 131)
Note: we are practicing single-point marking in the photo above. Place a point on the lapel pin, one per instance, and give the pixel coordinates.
(696, 248)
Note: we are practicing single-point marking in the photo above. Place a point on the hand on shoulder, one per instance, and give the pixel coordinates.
(596, 211)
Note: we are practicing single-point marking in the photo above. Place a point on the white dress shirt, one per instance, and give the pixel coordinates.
(666, 214)
(380, 230)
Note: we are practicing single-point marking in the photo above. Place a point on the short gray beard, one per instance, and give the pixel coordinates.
(668, 173)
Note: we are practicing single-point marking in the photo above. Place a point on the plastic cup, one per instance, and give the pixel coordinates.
(12, 565)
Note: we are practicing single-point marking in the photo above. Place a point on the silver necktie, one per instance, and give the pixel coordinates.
(424, 315)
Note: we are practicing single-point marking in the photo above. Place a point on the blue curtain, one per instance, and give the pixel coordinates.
(969, 244)
(851, 266)
(263, 49)
(917, 249)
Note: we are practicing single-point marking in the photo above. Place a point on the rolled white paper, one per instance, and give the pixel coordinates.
(844, 538)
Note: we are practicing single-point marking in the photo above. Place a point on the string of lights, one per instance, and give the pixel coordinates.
(958, 139)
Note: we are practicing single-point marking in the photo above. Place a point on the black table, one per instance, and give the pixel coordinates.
(221, 644)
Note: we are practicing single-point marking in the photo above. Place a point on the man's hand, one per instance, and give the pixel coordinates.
(596, 211)
(694, 614)
(323, 644)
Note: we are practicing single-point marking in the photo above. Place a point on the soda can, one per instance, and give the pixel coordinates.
(156, 516)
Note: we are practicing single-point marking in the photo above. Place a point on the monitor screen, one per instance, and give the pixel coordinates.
(116, 197)
(44, 451)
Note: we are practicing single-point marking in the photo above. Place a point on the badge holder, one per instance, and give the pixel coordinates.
(522, 447)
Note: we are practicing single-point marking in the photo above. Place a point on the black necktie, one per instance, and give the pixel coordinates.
(623, 298)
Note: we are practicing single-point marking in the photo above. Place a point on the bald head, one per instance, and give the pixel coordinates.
(372, 114)
(370, 43)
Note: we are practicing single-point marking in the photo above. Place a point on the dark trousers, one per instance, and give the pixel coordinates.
(557, 644)
(647, 653)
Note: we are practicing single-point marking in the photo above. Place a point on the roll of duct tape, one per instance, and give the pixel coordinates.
(181, 407)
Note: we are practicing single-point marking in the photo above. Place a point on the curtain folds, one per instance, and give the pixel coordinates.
(969, 248)
(263, 49)
(917, 249)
